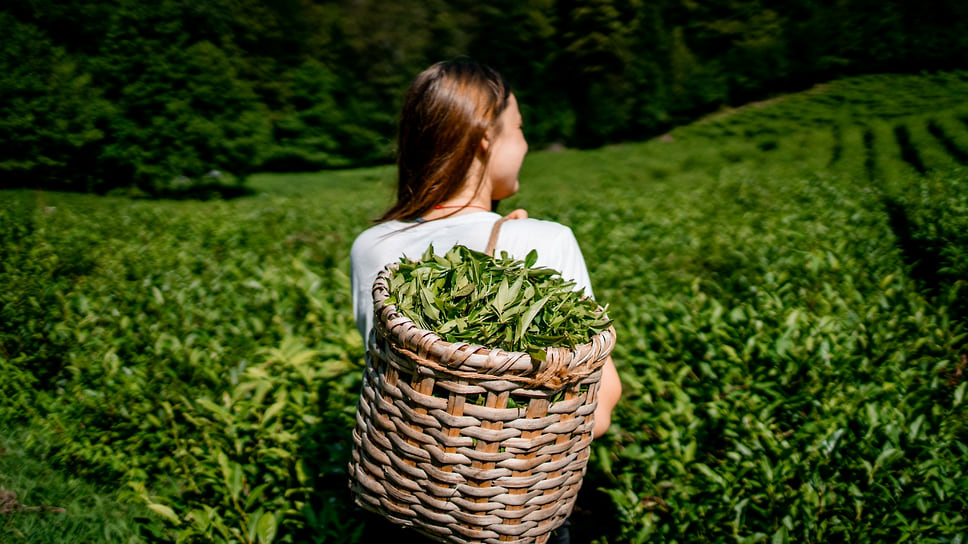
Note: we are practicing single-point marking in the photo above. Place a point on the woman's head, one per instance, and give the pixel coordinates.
(449, 110)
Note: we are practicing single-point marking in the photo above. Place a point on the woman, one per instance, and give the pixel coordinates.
(460, 148)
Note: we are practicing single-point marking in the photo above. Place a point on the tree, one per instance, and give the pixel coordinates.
(52, 116)
(182, 110)
(112, 93)
(317, 131)
(596, 53)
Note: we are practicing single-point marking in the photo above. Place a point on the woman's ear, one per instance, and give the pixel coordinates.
(485, 142)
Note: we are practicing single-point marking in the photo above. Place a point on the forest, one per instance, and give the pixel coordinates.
(169, 98)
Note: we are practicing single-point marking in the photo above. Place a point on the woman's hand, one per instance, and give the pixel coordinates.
(519, 213)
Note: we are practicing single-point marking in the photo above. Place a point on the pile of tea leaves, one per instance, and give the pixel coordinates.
(469, 296)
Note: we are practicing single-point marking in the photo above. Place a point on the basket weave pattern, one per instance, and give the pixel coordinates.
(470, 445)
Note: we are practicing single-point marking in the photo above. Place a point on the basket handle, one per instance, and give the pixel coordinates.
(496, 229)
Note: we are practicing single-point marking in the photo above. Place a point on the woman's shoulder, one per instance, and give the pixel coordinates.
(547, 237)
(469, 229)
(366, 247)
(376, 232)
(538, 227)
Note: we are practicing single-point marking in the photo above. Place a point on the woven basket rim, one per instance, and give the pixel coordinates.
(404, 333)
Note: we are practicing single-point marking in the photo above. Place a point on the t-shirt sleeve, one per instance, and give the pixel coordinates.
(572, 263)
(365, 264)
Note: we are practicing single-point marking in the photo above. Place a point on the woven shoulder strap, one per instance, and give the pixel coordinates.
(496, 230)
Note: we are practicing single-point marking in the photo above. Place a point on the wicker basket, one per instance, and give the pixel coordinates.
(470, 445)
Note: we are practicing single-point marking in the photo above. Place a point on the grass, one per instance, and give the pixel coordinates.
(52, 506)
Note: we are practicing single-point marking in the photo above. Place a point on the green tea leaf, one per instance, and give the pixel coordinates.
(531, 258)
(529, 316)
(165, 512)
(266, 528)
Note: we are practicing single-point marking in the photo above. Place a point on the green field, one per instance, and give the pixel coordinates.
(788, 282)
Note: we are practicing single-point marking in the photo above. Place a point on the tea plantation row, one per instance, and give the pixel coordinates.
(794, 370)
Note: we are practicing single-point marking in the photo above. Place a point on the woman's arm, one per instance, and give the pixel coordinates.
(608, 394)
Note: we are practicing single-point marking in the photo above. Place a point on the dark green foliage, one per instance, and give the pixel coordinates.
(52, 112)
(318, 133)
(156, 106)
(149, 97)
(467, 296)
(184, 112)
(930, 220)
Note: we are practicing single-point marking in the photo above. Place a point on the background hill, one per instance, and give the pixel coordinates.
(175, 97)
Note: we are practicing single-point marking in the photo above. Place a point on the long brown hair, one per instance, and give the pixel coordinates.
(446, 113)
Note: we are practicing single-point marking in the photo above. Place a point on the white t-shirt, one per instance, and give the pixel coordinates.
(386, 243)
